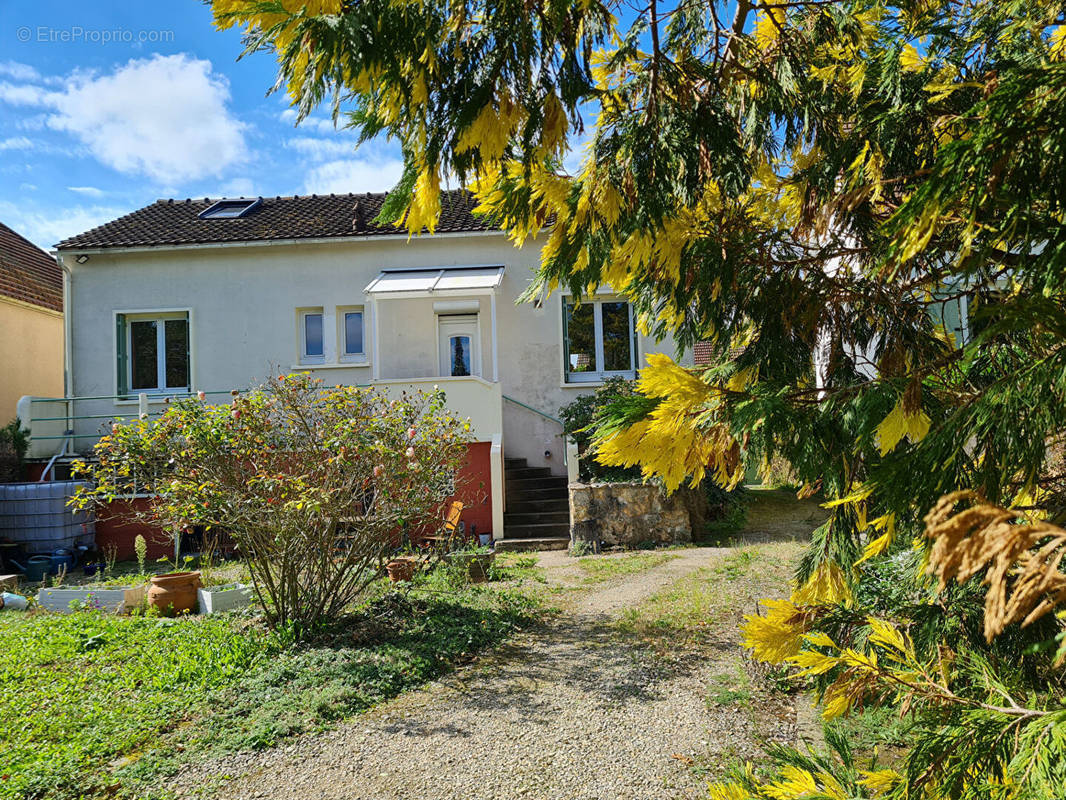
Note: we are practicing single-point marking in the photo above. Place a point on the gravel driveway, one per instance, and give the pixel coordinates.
(570, 710)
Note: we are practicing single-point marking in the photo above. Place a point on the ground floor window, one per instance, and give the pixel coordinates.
(599, 340)
(153, 352)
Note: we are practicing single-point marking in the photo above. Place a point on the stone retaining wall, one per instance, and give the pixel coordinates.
(634, 514)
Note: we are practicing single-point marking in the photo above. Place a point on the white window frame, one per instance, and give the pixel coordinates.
(342, 335)
(598, 376)
(301, 325)
(160, 318)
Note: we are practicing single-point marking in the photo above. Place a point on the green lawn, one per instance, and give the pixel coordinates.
(94, 704)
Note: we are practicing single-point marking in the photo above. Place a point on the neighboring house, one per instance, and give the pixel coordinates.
(31, 322)
(208, 295)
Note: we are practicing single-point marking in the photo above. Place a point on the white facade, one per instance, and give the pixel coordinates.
(246, 305)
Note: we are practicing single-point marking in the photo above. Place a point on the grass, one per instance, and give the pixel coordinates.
(599, 569)
(730, 689)
(736, 565)
(875, 728)
(692, 611)
(85, 692)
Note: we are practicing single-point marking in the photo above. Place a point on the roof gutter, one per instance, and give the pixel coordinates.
(380, 237)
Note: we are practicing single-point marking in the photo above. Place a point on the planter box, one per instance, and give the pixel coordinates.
(224, 598)
(119, 600)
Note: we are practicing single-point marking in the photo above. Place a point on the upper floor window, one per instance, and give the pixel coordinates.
(312, 346)
(153, 352)
(599, 340)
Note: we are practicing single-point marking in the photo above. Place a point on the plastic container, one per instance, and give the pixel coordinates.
(13, 602)
(36, 515)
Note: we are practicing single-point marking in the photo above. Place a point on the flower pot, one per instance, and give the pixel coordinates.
(400, 569)
(216, 599)
(174, 592)
(65, 599)
(477, 564)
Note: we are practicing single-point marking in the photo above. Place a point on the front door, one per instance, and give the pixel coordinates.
(460, 352)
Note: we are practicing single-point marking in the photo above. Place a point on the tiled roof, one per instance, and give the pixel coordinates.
(176, 222)
(28, 273)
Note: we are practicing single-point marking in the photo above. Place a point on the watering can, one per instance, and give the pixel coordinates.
(61, 558)
(36, 568)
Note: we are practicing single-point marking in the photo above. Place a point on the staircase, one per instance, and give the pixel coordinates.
(538, 508)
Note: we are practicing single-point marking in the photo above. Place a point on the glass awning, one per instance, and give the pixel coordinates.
(431, 282)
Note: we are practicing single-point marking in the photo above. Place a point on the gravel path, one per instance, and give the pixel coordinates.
(571, 710)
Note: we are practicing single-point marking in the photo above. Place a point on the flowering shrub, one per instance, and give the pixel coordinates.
(312, 483)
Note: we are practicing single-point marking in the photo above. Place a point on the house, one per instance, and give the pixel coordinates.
(211, 295)
(31, 322)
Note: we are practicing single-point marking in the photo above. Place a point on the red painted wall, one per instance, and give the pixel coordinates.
(473, 487)
(114, 527)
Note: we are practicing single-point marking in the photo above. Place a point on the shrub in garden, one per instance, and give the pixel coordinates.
(581, 418)
(313, 484)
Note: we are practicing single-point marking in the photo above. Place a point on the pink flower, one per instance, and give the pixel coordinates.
(410, 433)
(235, 413)
(410, 452)
(201, 396)
(378, 470)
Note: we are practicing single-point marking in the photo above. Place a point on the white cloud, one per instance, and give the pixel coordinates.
(28, 187)
(45, 227)
(19, 72)
(165, 117)
(321, 149)
(353, 175)
(25, 95)
(288, 115)
(16, 143)
(238, 187)
(89, 191)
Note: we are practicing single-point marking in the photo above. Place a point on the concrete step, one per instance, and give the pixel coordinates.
(539, 531)
(537, 495)
(525, 484)
(557, 505)
(520, 473)
(536, 518)
(525, 545)
(515, 463)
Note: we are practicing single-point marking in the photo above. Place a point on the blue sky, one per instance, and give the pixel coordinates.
(106, 107)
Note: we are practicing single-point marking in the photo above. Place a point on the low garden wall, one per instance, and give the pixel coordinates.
(634, 514)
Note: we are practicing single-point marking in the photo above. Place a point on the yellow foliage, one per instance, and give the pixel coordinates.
(676, 441)
(727, 791)
(1057, 45)
(899, 424)
(811, 662)
(910, 59)
(884, 634)
(879, 781)
(768, 23)
(775, 636)
(425, 205)
(492, 129)
(876, 547)
(827, 586)
(795, 783)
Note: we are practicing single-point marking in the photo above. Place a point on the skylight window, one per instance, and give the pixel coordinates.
(228, 209)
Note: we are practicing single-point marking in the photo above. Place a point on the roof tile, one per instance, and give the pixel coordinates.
(176, 222)
(28, 273)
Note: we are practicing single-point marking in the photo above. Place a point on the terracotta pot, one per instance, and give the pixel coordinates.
(400, 570)
(174, 592)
